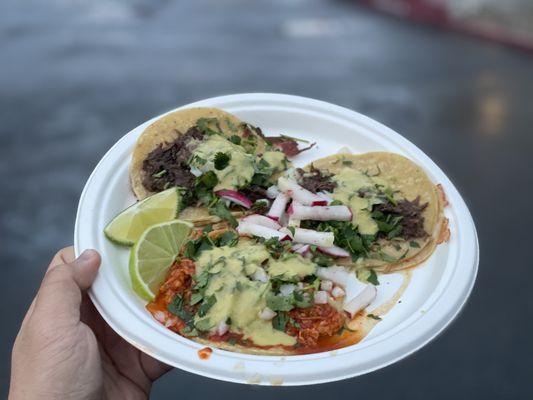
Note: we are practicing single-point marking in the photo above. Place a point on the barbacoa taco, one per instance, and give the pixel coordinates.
(209, 154)
(396, 213)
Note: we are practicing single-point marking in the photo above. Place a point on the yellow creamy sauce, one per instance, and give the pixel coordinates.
(240, 169)
(238, 297)
(349, 181)
(276, 159)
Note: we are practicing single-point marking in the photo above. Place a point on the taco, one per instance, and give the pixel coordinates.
(257, 296)
(211, 155)
(397, 216)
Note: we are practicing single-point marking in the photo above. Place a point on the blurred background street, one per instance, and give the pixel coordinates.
(77, 75)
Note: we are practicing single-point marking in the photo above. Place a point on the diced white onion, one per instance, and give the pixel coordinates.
(259, 275)
(267, 314)
(338, 292)
(287, 289)
(326, 285)
(321, 297)
(222, 328)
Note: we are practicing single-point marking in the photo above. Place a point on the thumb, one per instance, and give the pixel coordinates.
(61, 290)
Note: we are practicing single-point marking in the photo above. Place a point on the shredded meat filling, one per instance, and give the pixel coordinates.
(316, 180)
(167, 165)
(411, 211)
(314, 322)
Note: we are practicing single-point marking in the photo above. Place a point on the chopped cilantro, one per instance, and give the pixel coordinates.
(222, 211)
(260, 206)
(228, 238)
(221, 160)
(206, 305)
(376, 317)
(231, 125)
(209, 180)
(204, 124)
(176, 307)
(347, 162)
(235, 139)
(203, 324)
(196, 298)
(373, 278)
(279, 322)
(279, 303)
(275, 247)
(414, 244)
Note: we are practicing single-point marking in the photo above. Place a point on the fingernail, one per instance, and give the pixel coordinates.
(86, 255)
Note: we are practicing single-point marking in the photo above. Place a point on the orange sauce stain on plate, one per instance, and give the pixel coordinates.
(205, 353)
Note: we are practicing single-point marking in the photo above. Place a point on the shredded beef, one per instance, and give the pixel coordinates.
(411, 211)
(316, 180)
(314, 322)
(287, 145)
(172, 159)
(254, 192)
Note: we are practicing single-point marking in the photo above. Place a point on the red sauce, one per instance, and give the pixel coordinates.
(320, 318)
(205, 353)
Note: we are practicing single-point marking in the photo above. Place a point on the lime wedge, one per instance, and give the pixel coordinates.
(129, 225)
(154, 253)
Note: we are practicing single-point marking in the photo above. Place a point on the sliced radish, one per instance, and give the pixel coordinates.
(319, 213)
(334, 251)
(309, 236)
(278, 206)
(326, 196)
(321, 297)
(298, 193)
(335, 274)
(260, 231)
(293, 222)
(338, 292)
(272, 192)
(303, 250)
(363, 299)
(261, 220)
(235, 197)
(326, 285)
(267, 314)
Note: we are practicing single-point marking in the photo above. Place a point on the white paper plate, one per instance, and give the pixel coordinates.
(437, 292)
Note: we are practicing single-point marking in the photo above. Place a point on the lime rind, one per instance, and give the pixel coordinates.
(154, 253)
(128, 226)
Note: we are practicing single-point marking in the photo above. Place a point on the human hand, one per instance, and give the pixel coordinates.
(65, 350)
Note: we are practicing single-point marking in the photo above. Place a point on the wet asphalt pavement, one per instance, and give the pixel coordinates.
(75, 76)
